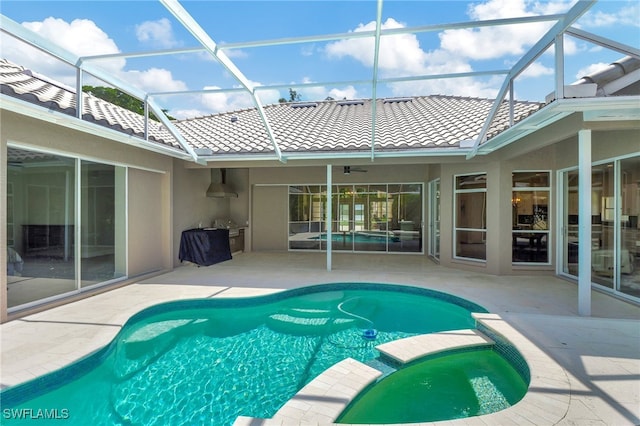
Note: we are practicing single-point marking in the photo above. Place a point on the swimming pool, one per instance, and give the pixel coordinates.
(211, 360)
(359, 237)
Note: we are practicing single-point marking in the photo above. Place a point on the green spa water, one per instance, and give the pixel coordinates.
(209, 365)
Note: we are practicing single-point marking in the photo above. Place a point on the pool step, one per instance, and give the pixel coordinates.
(307, 322)
(411, 348)
(384, 367)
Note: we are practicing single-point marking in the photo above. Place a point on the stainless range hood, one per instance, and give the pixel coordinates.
(220, 189)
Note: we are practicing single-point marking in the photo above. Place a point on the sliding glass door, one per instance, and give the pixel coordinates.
(434, 218)
(366, 217)
(66, 227)
(615, 232)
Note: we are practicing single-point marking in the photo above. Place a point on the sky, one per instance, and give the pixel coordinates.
(88, 28)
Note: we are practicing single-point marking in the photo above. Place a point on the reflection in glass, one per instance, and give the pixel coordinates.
(41, 259)
(405, 218)
(570, 235)
(530, 217)
(602, 224)
(376, 217)
(629, 258)
(615, 231)
(103, 215)
(470, 218)
(305, 216)
(434, 248)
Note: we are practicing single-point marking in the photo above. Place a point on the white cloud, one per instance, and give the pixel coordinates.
(397, 52)
(82, 37)
(157, 33)
(499, 41)
(153, 80)
(183, 114)
(402, 55)
(348, 92)
(590, 69)
(536, 69)
(224, 101)
(627, 16)
(235, 54)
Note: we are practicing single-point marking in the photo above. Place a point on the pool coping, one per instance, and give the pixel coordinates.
(409, 349)
(546, 401)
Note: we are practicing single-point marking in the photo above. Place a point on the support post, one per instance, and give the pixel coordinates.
(329, 218)
(584, 224)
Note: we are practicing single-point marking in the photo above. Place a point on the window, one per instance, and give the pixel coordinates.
(530, 216)
(470, 230)
(365, 218)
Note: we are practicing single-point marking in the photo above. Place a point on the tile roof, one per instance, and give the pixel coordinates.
(18, 82)
(415, 123)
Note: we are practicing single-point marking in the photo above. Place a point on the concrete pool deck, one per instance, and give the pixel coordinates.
(598, 355)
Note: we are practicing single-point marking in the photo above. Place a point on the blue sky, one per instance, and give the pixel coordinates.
(97, 27)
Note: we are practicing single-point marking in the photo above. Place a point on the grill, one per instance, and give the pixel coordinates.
(234, 230)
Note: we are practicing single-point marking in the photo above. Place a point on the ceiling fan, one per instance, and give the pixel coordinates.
(349, 169)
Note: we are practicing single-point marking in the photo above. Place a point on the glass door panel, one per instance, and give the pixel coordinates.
(434, 218)
(629, 258)
(343, 238)
(405, 218)
(570, 213)
(364, 217)
(102, 224)
(41, 262)
(371, 233)
(603, 224)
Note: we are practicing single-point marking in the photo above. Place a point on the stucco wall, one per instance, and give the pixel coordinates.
(149, 186)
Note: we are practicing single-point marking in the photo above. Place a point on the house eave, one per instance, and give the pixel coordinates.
(28, 109)
(619, 108)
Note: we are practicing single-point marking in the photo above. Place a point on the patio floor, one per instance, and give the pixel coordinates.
(599, 355)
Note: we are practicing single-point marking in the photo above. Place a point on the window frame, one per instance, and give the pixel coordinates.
(547, 231)
(455, 227)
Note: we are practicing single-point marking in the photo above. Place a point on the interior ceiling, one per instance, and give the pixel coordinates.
(559, 24)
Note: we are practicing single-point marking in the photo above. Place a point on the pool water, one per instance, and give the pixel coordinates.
(454, 386)
(359, 237)
(209, 361)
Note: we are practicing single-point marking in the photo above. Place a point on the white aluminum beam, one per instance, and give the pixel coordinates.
(330, 83)
(584, 225)
(331, 37)
(329, 218)
(559, 66)
(80, 94)
(374, 82)
(145, 54)
(142, 95)
(389, 32)
(36, 40)
(604, 42)
(572, 15)
(167, 123)
(203, 38)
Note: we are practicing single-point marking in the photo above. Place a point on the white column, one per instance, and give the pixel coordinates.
(584, 222)
(329, 218)
(559, 65)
